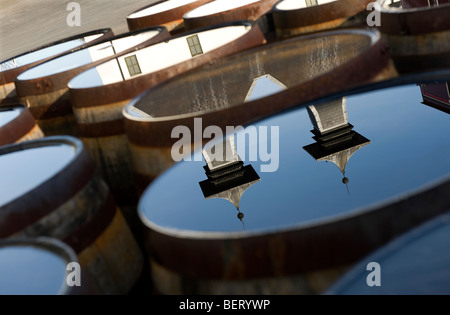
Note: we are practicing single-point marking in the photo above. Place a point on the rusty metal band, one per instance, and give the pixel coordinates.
(161, 18)
(48, 196)
(42, 108)
(250, 11)
(17, 128)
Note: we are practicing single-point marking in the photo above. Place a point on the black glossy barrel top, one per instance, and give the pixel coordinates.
(416, 263)
(32, 268)
(399, 146)
(25, 167)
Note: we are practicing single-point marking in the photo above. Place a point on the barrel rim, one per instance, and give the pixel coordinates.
(372, 34)
(59, 80)
(53, 245)
(9, 75)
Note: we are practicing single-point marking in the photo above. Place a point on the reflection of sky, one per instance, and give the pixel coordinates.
(409, 146)
(416, 263)
(24, 170)
(26, 270)
(7, 115)
(263, 86)
(67, 62)
(86, 79)
(45, 53)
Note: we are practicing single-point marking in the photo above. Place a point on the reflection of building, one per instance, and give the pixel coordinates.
(228, 178)
(422, 3)
(335, 140)
(436, 95)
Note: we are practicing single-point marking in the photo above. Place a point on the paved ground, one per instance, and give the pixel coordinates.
(26, 24)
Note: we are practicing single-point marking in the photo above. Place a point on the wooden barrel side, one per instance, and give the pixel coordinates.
(22, 128)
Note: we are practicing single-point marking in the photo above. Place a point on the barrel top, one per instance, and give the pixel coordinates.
(25, 166)
(9, 113)
(304, 173)
(415, 264)
(159, 7)
(50, 50)
(153, 58)
(34, 266)
(215, 7)
(82, 57)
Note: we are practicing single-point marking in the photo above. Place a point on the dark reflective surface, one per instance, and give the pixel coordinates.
(24, 170)
(8, 114)
(416, 263)
(85, 56)
(408, 147)
(31, 270)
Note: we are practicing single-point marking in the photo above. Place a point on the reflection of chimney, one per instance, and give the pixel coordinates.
(335, 140)
(228, 178)
(436, 95)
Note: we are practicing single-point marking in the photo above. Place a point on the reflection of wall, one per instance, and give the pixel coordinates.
(168, 53)
(436, 95)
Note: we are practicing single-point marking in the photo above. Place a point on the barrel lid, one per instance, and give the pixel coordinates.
(103, 49)
(52, 49)
(34, 266)
(396, 145)
(415, 263)
(25, 166)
